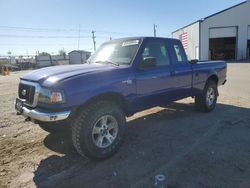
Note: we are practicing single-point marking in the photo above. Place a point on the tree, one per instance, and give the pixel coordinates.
(44, 53)
(62, 52)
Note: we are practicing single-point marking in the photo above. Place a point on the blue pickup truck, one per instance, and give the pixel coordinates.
(122, 77)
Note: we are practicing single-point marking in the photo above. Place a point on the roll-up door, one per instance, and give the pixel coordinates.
(222, 43)
(222, 32)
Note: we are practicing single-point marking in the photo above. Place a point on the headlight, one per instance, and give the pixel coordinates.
(48, 96)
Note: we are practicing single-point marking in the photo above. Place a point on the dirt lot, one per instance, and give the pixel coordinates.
(192, 149)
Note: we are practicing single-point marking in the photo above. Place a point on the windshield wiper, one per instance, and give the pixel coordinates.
(107, 62)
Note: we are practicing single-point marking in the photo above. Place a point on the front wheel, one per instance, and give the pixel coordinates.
(98, 130)
(206, 102)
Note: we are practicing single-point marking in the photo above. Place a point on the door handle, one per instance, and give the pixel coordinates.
(128, 81)
(196, 76)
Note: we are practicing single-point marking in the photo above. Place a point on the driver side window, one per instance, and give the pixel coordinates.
(158, 51)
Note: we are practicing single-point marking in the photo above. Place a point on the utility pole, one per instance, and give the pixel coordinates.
(93, 37)
(79, 36)
(155, 26)
(9, 53)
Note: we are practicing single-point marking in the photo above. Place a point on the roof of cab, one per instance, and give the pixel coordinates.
(141, 38)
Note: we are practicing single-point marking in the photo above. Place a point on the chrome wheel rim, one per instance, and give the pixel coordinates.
(210, 96)
(105, 131)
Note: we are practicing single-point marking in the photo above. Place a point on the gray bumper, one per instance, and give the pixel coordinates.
(35, 114)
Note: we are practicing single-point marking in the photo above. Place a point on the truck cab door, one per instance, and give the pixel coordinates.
(182, 70)
(154, 74)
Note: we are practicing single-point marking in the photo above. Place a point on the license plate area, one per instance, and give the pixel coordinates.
(19, 105)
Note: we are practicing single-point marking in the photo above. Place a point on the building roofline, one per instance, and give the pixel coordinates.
(79, 51)
(186, 26)
(201, 20)
(225, 10)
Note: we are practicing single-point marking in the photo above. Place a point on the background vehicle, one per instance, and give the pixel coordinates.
(123, 77)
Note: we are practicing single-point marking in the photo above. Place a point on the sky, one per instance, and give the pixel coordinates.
(31, 26)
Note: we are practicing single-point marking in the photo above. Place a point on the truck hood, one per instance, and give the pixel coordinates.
(54, 74)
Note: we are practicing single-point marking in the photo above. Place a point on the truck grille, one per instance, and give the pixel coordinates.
(26, 92)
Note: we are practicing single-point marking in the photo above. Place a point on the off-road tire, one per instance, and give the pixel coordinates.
(83, 125)
(201, 101)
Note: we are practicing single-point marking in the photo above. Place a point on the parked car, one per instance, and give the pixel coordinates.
(123, 77)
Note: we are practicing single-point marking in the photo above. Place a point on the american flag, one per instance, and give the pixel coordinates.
(184, 40)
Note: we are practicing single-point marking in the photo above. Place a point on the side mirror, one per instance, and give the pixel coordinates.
(194, 61)
(148, 62)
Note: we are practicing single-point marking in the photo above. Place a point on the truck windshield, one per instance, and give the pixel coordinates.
(117, 53)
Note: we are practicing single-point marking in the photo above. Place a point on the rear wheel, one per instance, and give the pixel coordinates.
(206, 102)
(98, 130)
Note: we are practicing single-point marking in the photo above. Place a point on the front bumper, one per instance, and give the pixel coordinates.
(36, 114)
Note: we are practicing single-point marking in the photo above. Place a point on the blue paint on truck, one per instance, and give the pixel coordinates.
(140, 73)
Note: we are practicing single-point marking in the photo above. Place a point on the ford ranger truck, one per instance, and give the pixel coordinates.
(122, 77)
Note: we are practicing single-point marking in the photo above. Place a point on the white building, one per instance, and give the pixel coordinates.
(223, 35)
(78, 56)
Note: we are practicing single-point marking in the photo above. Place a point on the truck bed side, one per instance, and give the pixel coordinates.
(202, 71)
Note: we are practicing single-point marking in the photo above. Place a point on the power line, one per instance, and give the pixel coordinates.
(41, 29)
(63, 36)
(79, 36)
(40, 36)
(37, 44)
(104, 34)
(118, 33)
(31, 29)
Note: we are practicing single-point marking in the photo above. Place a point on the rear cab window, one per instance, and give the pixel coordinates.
(179, 53)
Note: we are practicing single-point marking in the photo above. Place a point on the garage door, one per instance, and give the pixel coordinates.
(222, 32)
(222, 43)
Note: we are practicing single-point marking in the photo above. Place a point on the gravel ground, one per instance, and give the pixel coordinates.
(192, 149)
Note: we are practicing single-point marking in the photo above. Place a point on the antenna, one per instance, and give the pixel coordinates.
(94, 42)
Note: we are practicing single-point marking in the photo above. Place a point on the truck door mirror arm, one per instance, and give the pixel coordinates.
(148, 62)
(193, 61)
